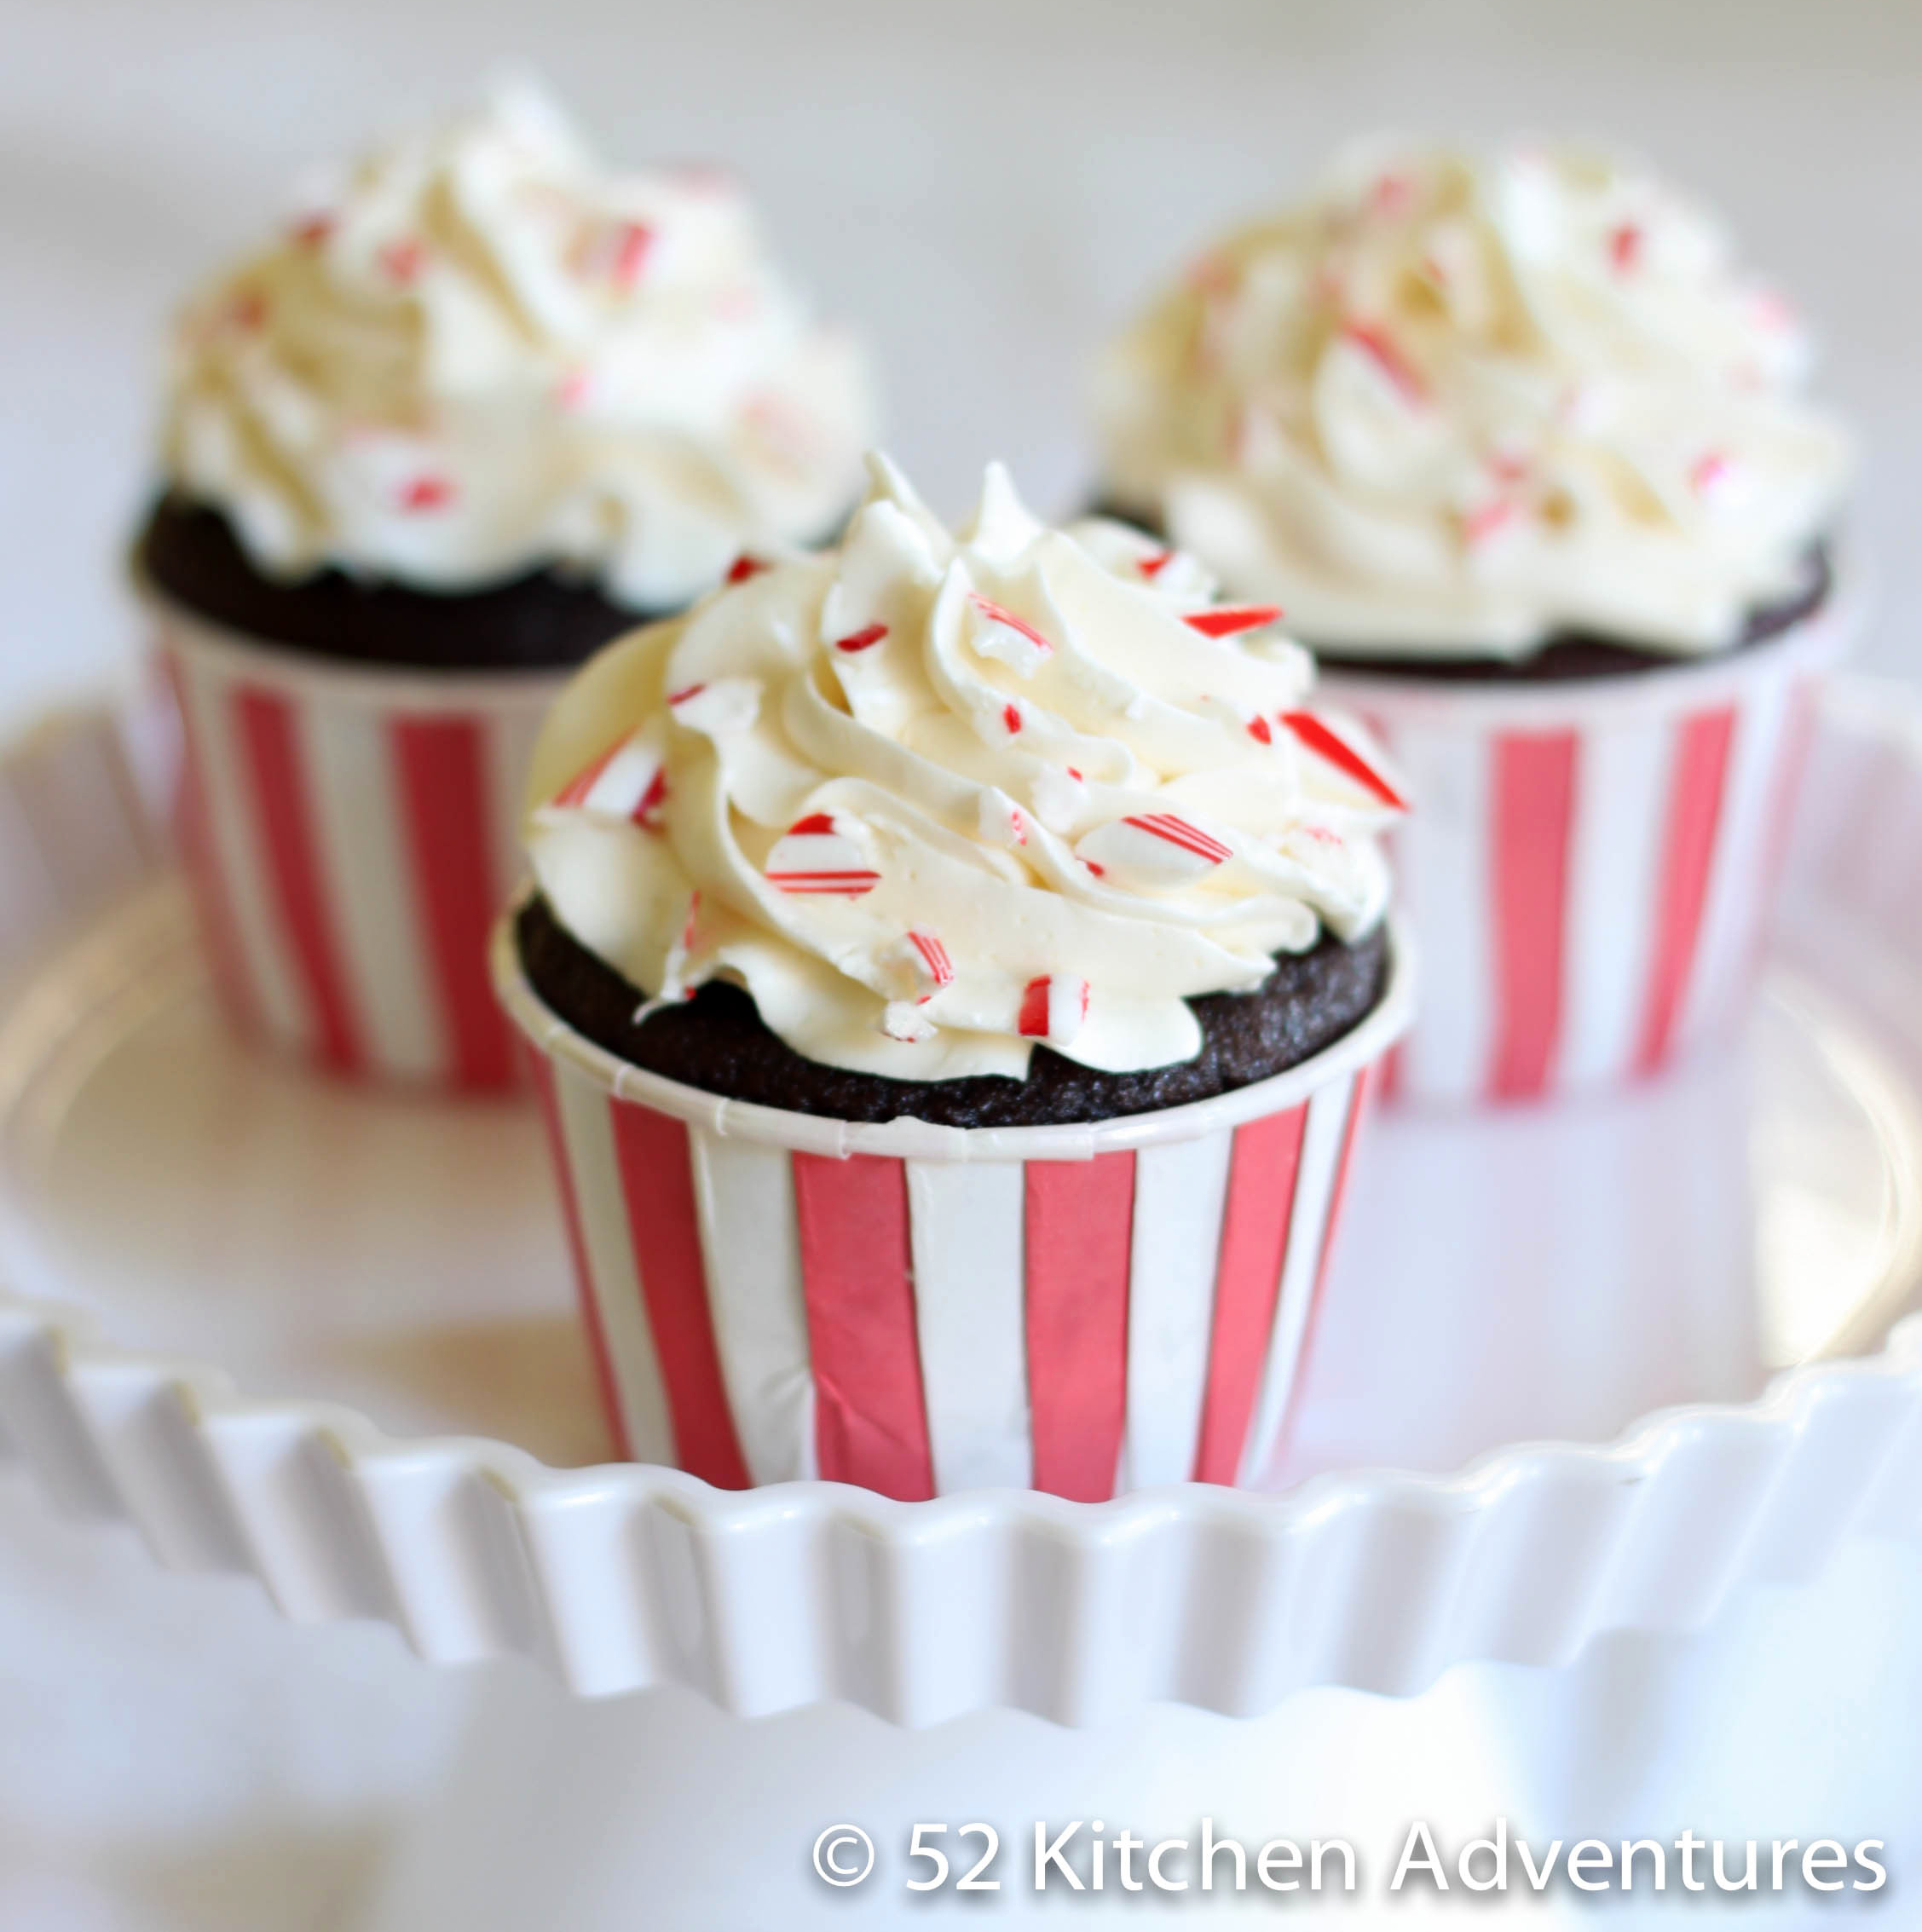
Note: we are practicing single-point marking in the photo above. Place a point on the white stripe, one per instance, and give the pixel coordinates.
(588, 1133)
(508, 736)
(239, 849)
(750, 1247)
(1735, 892)
(1179, 1190)
(1307, 1235)
(966, 1226)
(359, 831)
(1442, 851)
(1616, 850)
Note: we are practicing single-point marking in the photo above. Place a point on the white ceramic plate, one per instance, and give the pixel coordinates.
(415, 1434)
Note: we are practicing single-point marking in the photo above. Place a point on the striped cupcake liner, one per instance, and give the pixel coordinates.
(350, 834)
(1590, 865)
(919, 1310)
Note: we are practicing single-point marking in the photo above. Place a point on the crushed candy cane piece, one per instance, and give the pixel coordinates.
(811, 857)
(1054, 1008)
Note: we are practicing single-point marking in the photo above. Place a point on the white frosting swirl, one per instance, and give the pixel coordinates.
(1457, 402)
(477, 353)
(933, 797)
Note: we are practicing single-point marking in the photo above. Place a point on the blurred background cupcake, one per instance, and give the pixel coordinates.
(1521, 450)
(481, 405)
(957, 962)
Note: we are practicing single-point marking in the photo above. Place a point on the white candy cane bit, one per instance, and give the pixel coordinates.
(1151, 849)
(811, 858)
(998, 633)
(999, 820)
(903, 1020)
(625, 781)
(1053, 1009)
(726, 706)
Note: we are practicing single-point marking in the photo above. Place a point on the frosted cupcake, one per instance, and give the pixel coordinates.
(957, 960)
(479, 406)
(1522, 453)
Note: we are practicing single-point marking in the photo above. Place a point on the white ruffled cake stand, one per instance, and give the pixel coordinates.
(1585, 1373)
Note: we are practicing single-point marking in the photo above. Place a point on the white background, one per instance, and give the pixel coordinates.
(985, 189)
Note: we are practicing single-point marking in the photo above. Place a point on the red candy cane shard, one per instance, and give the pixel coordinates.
(1259, 731)
(1152, 567)
(996, 614)
(743, 567)
(1011, 717)
(681, 696)
(1226, 620)
(574, 793)
(934, 956)
(627, 781)
(427, 493)
(1483, 521)
(631, 241)
(1707, 472)
(1379, 347)
(1624, 247)
(402, 260)
(1324, 744)
(861, 640)
(811, 857)
(1053, 1009)
(1173, 831)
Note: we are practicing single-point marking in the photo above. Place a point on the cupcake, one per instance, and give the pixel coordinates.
(1521, 451)
(954, 968)
(479, 407)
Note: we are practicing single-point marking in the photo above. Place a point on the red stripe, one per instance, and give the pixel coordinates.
(1694, 812)
(1080, 1217)
(543, 1072)
(1259, 1206)
(657, 1184)
(870, 1420)
(1534, 807)
(277, 766)
(441, 765)
(193, 833)
(1358, 1105)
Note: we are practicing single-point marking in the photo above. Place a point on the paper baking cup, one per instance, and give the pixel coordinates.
(1590, 864)
(350, 834)
(773, 1296)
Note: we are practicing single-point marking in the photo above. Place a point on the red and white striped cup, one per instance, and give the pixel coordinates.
(350, 834)
(1589, 864)
(917, 1309)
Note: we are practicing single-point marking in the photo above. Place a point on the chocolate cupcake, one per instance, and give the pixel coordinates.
(480, 406)
(953, 956)
(1521, 451)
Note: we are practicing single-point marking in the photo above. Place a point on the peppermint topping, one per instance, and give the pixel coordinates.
(605, 369)
(1487, 409)
(1054, 1008)
(915, 874)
